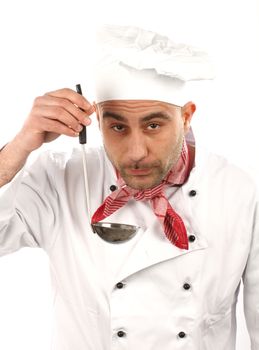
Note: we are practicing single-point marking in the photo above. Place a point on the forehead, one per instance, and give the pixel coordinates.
(139, 107)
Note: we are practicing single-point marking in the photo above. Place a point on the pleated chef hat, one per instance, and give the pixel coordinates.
(137, 64)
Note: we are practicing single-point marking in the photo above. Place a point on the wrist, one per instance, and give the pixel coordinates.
(20, 145)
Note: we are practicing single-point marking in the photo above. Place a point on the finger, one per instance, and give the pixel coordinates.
(81, 116)
(72, 96)
(54, 126)
(59, 114)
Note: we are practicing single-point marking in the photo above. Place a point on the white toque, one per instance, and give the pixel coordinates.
(137, 64)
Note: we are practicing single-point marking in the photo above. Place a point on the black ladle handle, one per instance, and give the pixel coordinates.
(82, 134)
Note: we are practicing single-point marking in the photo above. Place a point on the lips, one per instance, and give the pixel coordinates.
(140, 172)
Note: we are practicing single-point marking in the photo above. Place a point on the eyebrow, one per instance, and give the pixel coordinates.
(155, 115)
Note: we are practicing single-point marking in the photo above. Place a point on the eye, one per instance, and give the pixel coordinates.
(153, 126)
(118, 128)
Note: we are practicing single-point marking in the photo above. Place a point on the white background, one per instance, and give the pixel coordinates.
(47, 44)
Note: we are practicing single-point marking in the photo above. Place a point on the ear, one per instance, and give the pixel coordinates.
(187, 112)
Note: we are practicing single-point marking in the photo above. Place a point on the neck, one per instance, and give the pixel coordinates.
(191, 150)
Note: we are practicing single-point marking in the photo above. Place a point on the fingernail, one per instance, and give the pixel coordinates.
(79, 127)
(86, 121)
(90, 110)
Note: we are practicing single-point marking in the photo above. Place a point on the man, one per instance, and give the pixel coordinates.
(174, 285)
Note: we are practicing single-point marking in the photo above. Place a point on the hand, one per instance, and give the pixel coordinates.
(61, 112)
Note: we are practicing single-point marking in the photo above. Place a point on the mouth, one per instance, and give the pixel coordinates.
(139, 172)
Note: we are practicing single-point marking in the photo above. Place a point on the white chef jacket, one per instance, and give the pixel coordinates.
(150, 294)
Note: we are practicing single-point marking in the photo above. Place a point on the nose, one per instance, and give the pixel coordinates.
(137, 147)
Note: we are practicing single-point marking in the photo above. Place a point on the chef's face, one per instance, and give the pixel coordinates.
(143, 139)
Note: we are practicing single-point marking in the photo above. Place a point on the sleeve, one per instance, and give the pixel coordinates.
(27, 208)
(251, 283)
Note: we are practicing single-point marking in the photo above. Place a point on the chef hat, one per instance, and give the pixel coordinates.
(137, 64)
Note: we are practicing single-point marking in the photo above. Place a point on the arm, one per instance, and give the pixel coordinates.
(251, 285)
(12, 159)
(29, 206)
(62, 112)
(28, 203)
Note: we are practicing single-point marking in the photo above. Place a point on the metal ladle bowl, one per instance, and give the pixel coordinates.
(113, 232)
(109, 232)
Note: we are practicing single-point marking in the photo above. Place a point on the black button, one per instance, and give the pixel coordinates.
(192, 193)
(186, 286)
(191, 238)
(113, 188)
(181, 335)
(121, 334)
(119, 285)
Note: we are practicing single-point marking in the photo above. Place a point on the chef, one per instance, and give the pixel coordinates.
(175, 283)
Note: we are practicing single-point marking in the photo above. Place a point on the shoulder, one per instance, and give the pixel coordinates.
(51, 159)
(60, 167)
(224, 174)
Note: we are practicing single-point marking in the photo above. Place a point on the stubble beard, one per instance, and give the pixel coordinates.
(159, 172)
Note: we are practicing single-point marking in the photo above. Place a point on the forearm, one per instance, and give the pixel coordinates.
(12, 159)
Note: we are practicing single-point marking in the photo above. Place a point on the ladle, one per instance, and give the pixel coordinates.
(108, 231)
